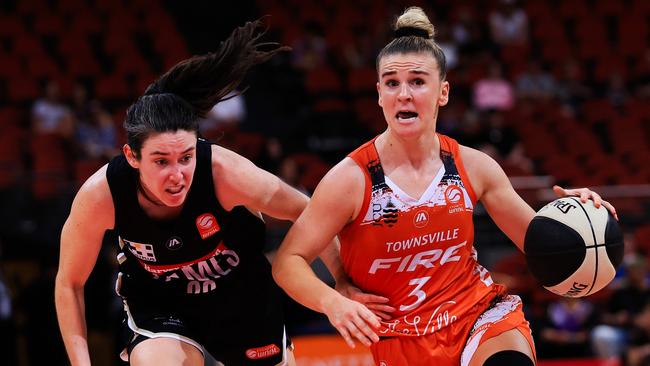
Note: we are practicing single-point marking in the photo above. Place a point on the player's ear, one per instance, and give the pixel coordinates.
(130, 156)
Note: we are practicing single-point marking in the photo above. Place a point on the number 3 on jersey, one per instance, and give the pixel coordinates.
(417, 292)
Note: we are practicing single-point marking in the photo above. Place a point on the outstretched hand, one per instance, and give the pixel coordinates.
(585, 194)
(353, 320)
(377, 304)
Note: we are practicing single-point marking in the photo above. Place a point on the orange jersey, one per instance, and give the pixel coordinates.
(419, 253)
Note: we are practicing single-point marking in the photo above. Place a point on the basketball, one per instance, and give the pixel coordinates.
(572, 248)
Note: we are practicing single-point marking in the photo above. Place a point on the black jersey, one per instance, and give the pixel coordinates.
(200, 277)
(204, 249)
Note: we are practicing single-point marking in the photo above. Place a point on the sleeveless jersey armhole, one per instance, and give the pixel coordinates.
(454, 148)
(367, 185)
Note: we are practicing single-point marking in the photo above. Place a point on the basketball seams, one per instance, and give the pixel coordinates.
(593, 234)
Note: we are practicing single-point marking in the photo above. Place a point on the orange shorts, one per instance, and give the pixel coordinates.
(455, 344)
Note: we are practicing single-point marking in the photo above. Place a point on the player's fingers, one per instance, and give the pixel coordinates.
(611, 209)
(368, 317)
(380, 307)
(368, 298)
(361, 331)
(346, 336)
(559, 191)
(598, 200)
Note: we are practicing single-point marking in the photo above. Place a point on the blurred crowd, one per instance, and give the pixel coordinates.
(545, 87)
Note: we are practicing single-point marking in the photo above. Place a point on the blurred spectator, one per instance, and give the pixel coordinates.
(291, 174)
(465, 31)
(617, 92)
(96, 134)
(229, 112)
(611, 337)
(50, 116)
(508, 24)
(493, 91)
(41, 328)
(536, 83)
(638, 350)
(508, 146)
(310, 51)
(571, 89)
(7, 325)
(448, 45)
(565, 330)
(272, 156)
(360, 50)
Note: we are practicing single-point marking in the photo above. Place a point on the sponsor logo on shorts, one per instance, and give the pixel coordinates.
(207, 225)
(262, 352)
(421, 219)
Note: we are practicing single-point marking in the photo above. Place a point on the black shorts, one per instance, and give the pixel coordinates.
(256, 338)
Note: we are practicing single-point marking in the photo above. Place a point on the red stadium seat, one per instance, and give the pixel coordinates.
(323, 80)
(112, 87)
(362, 81)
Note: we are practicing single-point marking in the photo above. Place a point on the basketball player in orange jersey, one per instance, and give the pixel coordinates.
(402, 207)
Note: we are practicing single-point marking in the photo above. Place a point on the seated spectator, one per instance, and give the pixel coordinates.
(310, 51)
(494, 91)
(228, 114)
(571, 89)
(509, 149)
(565, 330)
(50, 116)
(96, 135)
(611, 337)
(508, 24)
(536, 83)
(638, 350)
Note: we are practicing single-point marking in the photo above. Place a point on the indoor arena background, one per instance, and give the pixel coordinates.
(557, 91)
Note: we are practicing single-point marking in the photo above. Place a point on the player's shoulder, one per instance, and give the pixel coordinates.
(96, 188)
(476, 161)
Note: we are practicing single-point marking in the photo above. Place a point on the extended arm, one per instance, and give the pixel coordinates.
(90, 216)
(240, 183)
(333, 205)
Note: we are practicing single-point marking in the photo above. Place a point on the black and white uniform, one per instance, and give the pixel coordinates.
(201, 277)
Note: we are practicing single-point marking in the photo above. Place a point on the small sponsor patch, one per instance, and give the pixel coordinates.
(142, 251)
(421, 219)
(174, 243)
(207, 225)
(262, 352)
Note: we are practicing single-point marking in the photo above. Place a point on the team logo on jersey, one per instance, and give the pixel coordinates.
(174, 243)
(421, 219)
(142, 251)
(454, 198)
(262, 352)
(207, 225)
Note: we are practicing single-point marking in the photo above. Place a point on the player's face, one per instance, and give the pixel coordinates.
(167, 166)
(410, 92)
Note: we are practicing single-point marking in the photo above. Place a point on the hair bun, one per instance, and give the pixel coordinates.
(412, 31)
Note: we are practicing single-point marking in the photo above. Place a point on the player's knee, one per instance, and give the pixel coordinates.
(510, 358)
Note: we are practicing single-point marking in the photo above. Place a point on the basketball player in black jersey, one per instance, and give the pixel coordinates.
(193, 277)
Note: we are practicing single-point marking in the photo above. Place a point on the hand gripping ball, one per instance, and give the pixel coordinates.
(572, 248)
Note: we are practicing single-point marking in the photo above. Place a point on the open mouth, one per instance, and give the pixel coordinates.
(406, 116)
(175, 190)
